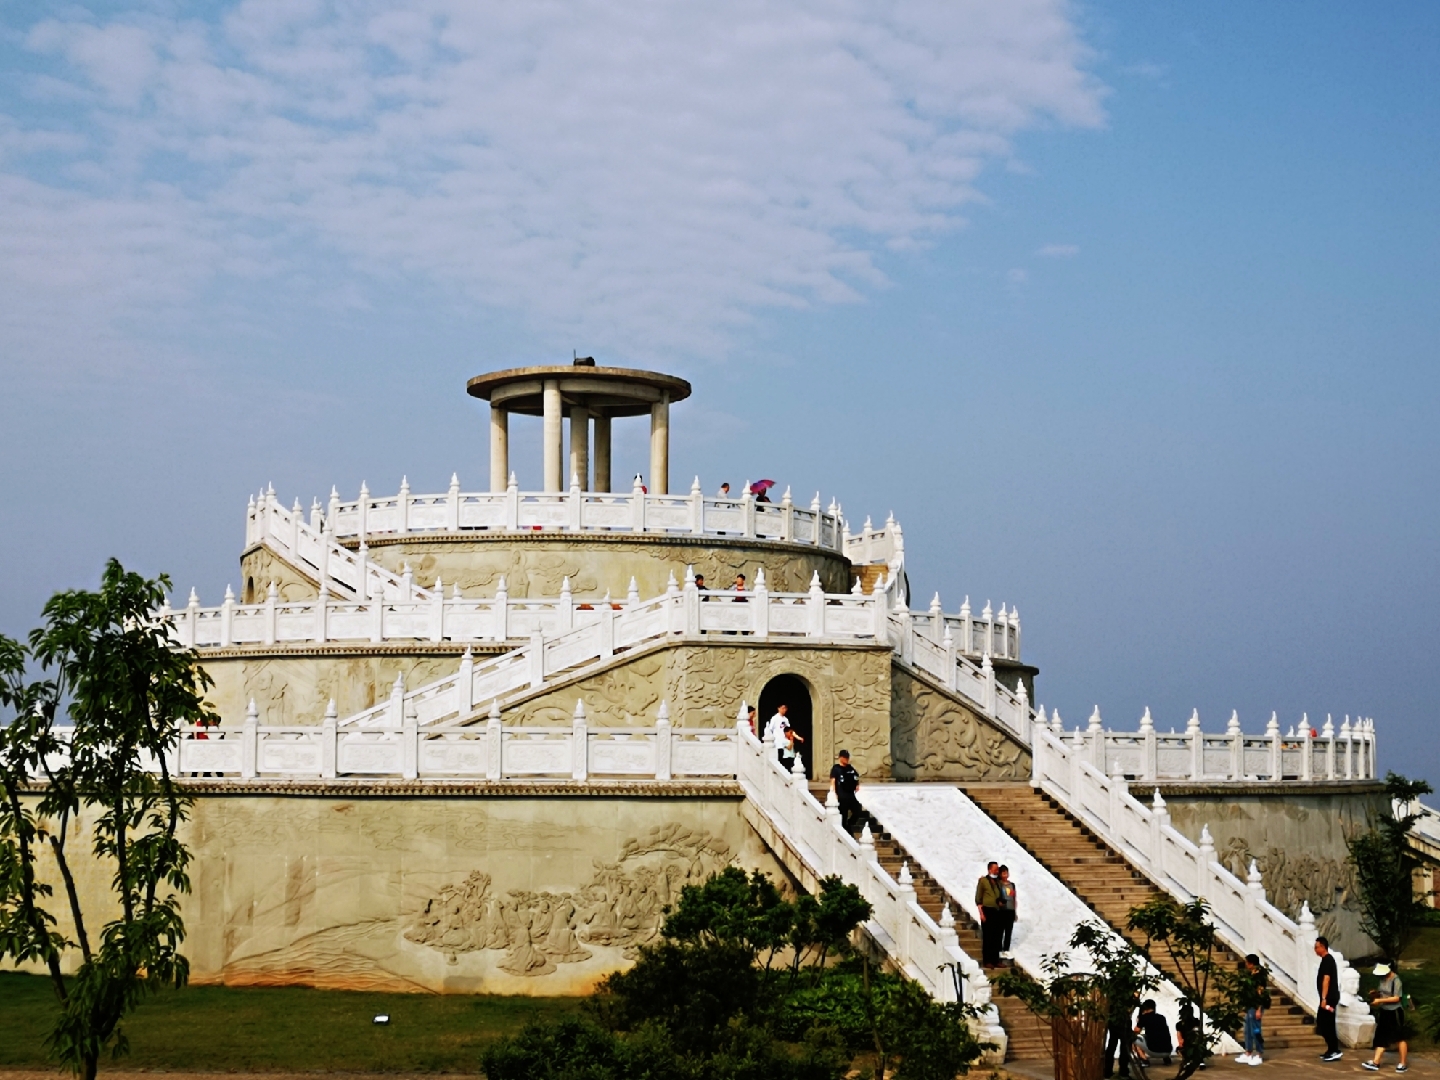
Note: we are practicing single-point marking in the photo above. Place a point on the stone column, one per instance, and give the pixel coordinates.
(660, 446)
(499, 448)
(580, 445)
(554, 437)
(602, 452)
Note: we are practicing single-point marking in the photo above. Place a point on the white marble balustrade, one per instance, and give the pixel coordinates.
(488, 751)
(512, 510)
(1143, 834)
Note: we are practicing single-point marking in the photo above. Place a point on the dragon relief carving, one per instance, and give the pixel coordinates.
(623, 905)
(935, 737)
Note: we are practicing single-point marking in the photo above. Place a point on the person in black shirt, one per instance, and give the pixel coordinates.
(845, 782)
(1327, 982)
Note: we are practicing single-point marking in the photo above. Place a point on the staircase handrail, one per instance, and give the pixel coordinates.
(924, 949)
(1243, 917)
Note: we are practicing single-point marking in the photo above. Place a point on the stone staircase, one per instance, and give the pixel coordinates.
(1102, 878)
(1029, 1036)
(869, 575)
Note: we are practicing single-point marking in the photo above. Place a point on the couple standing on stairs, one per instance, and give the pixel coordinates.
(996, 899)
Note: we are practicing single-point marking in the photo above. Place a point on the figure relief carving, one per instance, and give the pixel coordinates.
(623, 905)
(1326, 884)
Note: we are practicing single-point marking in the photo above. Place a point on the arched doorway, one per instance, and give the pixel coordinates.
(791, 690)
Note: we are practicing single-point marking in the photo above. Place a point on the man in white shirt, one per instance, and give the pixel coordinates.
(775, 730)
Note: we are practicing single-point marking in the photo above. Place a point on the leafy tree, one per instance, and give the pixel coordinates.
(1384, 865)
(104, 778)
(1185, 934)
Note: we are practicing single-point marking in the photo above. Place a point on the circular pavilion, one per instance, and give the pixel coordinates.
(586, 394)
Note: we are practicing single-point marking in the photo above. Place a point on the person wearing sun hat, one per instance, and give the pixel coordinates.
(1387, 1002)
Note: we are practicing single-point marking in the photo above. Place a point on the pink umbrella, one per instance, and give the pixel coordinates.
(761, 485)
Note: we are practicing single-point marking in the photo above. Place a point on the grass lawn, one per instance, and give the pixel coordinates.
(217, 1028)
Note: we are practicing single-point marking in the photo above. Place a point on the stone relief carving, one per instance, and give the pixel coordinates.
(933, 737)
(1327, 884)
(622, 905)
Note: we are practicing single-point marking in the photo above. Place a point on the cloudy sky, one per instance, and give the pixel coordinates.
(1130, 314)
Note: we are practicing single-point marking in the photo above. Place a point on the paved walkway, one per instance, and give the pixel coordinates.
(1289, 1066)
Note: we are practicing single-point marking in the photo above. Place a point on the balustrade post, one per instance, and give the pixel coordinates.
(402, 507)
(1022, 708)
(787, 516)
(663, 732)
(579, 744)
(192, 620)
(512, 505)
(575, 503)
(1075, 754)
(747, 510)
(566, 609)
(607, 629)
(691, 603)
(500, 612)
(880, 605)
(815, 607)
(377, 616)
(1254, 894)
(452, 505)
(362, 573)
(296, 516)
(1348, 743)
(1237, 747)
(760, 607)
(986, 627)
(252, 524)
(1272, 732)
(437, 612)
(1096, 737)
(637, 506)
(697, 509)
(967, 629)
(1304, 958)
(494, 744)
(907, 897)
(1118, 790)
(395, 709)
(329, 738)
(363, 515)
(227, 619)
(674, 606)
(465, 683)
(333, 509)
(250, 742)
(1149, 748)
(326, 541)
(1038, 751)
(1307, 749)
(1328, 734)
(537, 659)
(1206, 885)
(322, 613)
(1159, 818)
(1015, 626)
(819, 519)
(1197, 746)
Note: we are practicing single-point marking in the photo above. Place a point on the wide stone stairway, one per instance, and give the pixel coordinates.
(1029, 1036)
(1103, 879)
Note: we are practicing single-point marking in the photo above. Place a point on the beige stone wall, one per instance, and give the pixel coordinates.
(1296, 835)
(535, 564)
(293, 686)
(933, 737)
(259, 566)
(505, 895)
(704, 684)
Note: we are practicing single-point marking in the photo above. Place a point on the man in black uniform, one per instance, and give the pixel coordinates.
(845, 782)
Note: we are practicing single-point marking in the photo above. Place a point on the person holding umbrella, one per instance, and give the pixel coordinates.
(760, 489)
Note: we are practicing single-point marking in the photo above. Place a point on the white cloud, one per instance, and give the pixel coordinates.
(644, 176)
(1059, 251)
(1016, 276)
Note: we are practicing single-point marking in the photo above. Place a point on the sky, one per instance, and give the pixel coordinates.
(1128, 312)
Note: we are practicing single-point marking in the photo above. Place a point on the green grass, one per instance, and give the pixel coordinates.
(215, 1028)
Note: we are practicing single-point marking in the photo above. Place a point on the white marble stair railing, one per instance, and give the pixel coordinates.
(311, 548)
(925, 950)
(953, 839)
(1246, 921)
(513, 510)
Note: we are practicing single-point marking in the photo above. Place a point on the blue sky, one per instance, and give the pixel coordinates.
(1129, 312)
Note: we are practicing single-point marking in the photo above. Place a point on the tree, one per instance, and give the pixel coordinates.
(99, 788)
(1384, 866)
(1187, 936)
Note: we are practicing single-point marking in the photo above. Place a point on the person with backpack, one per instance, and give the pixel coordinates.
(1387, 1002)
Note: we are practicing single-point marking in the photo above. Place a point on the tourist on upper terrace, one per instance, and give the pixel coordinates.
(987, 899)
(1387, 1002)
(1009, 911)
(1327, 982)
(845, 782)
(724, 492)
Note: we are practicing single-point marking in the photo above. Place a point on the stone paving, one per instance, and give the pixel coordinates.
(1288, 1065)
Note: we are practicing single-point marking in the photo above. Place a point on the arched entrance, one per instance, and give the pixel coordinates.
(791, 690)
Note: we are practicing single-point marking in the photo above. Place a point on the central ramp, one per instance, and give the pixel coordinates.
(953, 839)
